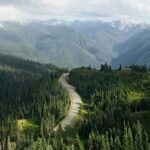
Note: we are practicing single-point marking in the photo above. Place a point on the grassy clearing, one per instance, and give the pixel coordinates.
(2, 129)
(134, 95)
(26, 124)
(124, 72)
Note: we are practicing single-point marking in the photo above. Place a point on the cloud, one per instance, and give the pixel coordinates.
(10, 13)
(45, 9)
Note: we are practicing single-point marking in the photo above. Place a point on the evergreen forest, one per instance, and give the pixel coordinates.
(115, 107)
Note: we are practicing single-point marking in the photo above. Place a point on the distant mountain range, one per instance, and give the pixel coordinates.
(136, 50)
(67, 44)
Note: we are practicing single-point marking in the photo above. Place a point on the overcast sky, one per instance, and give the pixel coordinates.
(22, 10)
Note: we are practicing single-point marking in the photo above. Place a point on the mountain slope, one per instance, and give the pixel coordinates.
(66, 44)
(59, 45)
(136, 50)
(108, 34)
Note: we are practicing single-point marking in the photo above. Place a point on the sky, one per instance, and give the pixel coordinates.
(26, 10)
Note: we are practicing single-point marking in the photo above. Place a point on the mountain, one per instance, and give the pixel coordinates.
(108, 34)
(59, 44)
(66, 44)
(136, 50)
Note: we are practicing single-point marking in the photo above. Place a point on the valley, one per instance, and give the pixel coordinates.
(74, 74)
(76, 43)
(74, 85)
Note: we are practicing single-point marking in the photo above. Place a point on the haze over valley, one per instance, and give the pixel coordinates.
(71, 44)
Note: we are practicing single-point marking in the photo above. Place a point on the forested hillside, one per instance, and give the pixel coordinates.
(118, 105)
(59, 45)
(31, 101)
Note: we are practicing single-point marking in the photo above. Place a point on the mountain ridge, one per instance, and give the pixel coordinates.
(66, 44)
(136, 50)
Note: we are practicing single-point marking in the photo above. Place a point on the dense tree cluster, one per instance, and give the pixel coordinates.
(28, 91)
(105, 67)
(109, 124)
(141, 68)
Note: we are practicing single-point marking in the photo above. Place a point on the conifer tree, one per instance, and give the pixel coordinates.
(78, 144)
(125, 139)
(8, 144)
(130, 139)
(117, 143)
